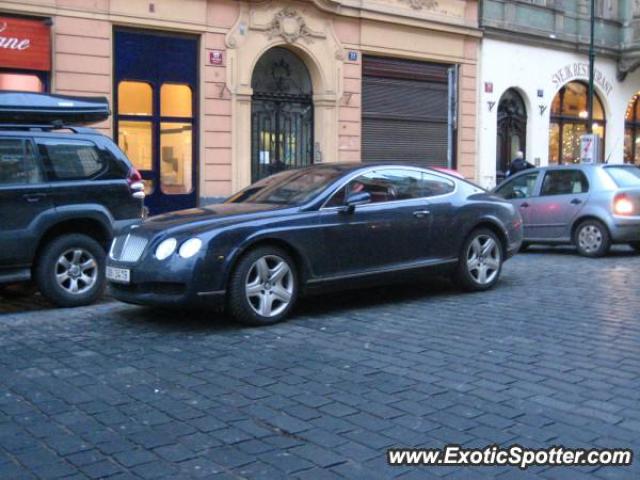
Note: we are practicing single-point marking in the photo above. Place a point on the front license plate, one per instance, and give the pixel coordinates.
(120, 275)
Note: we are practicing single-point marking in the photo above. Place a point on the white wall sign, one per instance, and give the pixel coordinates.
(580, 70)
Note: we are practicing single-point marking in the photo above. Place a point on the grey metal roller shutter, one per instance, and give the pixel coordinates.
(404, 111)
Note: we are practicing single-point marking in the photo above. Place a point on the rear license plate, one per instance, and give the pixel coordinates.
(120, 275)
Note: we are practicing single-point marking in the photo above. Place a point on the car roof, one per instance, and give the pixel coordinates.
(347, 167)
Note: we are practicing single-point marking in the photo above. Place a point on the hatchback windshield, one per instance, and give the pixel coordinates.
(625, 176)
(288, 188)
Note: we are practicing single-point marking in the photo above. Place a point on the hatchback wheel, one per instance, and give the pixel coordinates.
(263, 287)
(480, 261)
(70, 271)
(592, 239)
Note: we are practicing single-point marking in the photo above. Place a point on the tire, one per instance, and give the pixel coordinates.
(88, 277)
(635, 246)
(267, 303)
(592, 239)
(473, 261)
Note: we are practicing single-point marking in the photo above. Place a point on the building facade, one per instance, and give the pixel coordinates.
(534, 82)
(210, 95)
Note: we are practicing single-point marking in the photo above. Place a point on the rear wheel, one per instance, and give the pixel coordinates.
(264, 287)
(480, 261)
(70, 271)
(592, 239)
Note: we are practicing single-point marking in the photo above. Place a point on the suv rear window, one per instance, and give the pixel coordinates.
(624, 176)
(72, 159)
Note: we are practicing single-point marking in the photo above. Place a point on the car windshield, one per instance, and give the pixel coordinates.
(288, 188)
(625, 176)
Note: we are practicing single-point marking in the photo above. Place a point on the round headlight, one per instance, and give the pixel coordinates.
(166, 248)
(190, 247)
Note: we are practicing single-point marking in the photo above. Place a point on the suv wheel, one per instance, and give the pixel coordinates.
(592, 239)
(70, 271)
(264, 287)
(480, 261)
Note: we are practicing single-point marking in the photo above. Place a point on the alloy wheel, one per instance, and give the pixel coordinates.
(483, 259)
(590, 238)
(269, 286)
(76, 271)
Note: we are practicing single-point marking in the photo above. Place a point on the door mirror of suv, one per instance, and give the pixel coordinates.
(355, 199)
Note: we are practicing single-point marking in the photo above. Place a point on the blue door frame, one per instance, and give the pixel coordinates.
(158, 58)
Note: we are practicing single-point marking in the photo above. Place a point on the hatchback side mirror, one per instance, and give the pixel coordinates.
(355, 199)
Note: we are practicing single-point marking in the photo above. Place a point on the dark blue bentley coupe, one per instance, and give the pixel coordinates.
(323, 227)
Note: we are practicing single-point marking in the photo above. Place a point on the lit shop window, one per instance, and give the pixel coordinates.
(21, 82)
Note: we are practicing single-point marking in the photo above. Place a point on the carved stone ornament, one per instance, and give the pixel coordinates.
(289, 25)
(420, 4)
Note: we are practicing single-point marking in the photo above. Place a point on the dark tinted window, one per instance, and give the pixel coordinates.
(289, 187)
(520, 187)
(564, 182)
(394, 184)
(18, 163)
(624, 176)
(72, 159)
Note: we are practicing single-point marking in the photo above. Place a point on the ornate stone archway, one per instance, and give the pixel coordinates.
(309, 33)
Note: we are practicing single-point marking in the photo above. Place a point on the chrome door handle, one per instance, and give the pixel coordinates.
(421, 213)
(576, 201)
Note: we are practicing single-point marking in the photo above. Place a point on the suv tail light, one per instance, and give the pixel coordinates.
(623, 205)
(136, 184)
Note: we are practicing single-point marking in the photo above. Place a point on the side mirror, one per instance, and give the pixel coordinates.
(355, 199)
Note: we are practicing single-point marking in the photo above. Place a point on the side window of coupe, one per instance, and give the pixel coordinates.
(564, 182)
(394, 184)
(18, 163)
(520, 187)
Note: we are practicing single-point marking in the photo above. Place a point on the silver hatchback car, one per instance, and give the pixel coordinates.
(590, 206)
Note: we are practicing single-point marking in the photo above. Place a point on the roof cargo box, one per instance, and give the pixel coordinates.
(41, 108)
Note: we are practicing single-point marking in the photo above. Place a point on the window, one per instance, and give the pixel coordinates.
(22, 82)
(175, 100)
(135, 98)
(564, 182)
(394, 184)
(18, 163)
(569, 117)
(520, 187)
(632, 132)
(624, 176)
(72, 160)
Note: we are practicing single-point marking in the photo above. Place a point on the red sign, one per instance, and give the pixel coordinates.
(24, 44)
(215, 57)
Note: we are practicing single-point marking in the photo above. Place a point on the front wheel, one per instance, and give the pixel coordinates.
(264, 287)
(592, 239)
(480, 261)
(70, 270)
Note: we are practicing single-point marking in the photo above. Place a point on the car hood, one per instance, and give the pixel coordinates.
(195, 220)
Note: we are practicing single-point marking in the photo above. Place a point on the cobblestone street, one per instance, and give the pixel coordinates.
(549, 357)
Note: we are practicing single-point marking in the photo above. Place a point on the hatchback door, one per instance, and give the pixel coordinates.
(563, 193)
(520, 191)
(24, 196)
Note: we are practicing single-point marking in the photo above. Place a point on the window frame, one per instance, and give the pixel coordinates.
(50, 173)
(561, 170)
(516, 177)
(374, 169)
(36, 158)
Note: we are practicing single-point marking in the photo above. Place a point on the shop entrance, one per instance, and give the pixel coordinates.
(155, 99)
(281, 114)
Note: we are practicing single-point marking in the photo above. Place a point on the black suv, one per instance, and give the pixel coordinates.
(64, 191)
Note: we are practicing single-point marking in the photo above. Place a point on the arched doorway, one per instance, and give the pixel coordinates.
(281, 114)
(569, 117)
(632, 132)
(512, 130)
